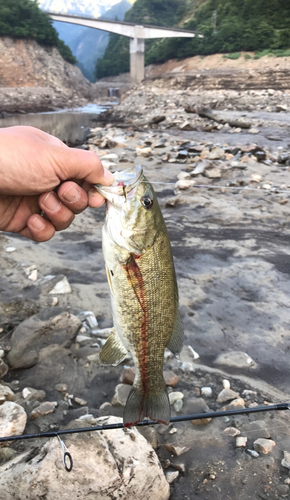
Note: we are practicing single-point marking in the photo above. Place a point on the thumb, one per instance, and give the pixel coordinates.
(82, 165)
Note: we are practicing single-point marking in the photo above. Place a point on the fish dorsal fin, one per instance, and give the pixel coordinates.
(113, 352)
(175, 342)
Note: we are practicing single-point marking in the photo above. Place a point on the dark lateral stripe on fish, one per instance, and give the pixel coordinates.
(133, 269)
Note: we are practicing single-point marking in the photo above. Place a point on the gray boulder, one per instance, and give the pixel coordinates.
(38, 336)
(107, 464)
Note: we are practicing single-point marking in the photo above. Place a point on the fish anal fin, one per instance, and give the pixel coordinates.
(113, 352)
(153, 406)
(175, 342)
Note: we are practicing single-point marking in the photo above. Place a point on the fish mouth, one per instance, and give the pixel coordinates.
(125, 182)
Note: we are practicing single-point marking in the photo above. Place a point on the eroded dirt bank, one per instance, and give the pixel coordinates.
(35, 78)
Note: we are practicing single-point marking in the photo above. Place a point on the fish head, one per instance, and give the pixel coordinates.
(133, 214)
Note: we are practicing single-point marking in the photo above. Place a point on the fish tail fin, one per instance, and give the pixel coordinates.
(153, 406)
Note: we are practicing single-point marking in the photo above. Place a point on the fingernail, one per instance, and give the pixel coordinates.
(72, 194)
(108, 176)
(96, 200)
(37, 223)
(51, 202)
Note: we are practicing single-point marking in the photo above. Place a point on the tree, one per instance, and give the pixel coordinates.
(24, 19)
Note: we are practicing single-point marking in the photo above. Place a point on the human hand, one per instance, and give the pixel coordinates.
(32, 165)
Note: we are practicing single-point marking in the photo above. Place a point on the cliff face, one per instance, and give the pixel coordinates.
(34, 77)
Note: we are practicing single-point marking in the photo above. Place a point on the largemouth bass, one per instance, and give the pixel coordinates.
(144, 292)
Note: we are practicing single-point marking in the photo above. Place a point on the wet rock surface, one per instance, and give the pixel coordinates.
(229, 228)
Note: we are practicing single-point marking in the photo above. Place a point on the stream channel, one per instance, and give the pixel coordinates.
(69, 125)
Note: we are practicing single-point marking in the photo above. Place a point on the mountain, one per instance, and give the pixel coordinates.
(228, 26)
(86, 44)
(89, 8)
(156, 12)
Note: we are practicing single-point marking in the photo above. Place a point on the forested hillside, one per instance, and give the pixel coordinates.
(24, 19)
(227, 25)
(88, 44)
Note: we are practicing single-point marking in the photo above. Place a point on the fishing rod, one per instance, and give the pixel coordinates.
(67, 458)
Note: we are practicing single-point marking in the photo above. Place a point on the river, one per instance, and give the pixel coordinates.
(69, 125)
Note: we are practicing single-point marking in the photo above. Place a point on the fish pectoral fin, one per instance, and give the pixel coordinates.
(113, 352)
(109, 279)
(153, 406)
(175, 342)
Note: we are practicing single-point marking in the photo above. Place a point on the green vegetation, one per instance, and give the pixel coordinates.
(116, 59)
(234, 56)
(272, 53)
(247, 56)
(228, 26)
(24, 19)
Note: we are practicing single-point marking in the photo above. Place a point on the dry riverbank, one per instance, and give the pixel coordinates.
(225, 193)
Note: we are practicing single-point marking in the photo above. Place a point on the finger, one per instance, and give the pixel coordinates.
(60, 216)
(38, 229)
(73, 197)
(79, 164)
(95, 199)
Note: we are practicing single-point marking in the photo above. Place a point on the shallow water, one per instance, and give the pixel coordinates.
(69, 125)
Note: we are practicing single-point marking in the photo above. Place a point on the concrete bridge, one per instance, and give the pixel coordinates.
(136, 33)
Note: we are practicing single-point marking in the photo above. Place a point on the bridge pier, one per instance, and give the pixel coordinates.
(137, 58)
(135, 32)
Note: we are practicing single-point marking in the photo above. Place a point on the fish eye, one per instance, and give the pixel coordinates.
(147, 202)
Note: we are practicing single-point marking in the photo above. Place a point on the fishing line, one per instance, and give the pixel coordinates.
(212, 186)
(67, 458)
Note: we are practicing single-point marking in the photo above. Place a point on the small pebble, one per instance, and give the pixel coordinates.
(171, 379)
(82, 339)
(226, 384)
(253, 453)
(105, 405)
(61, 287)
(178, 405)
(241, 442)
(171, 476)
(232, 431)
(79, 401)
(286, 460)
(206, 392)
(10, 249)
(128, 375)
(180, 467)
(61, 387)
(173, 430)
(264, 446)
(33, 276)
(174, 396)
(43, 409)
(227, 395)
(177, 450)
(237, 404)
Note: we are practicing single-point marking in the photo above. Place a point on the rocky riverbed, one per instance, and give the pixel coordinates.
(219, 162)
